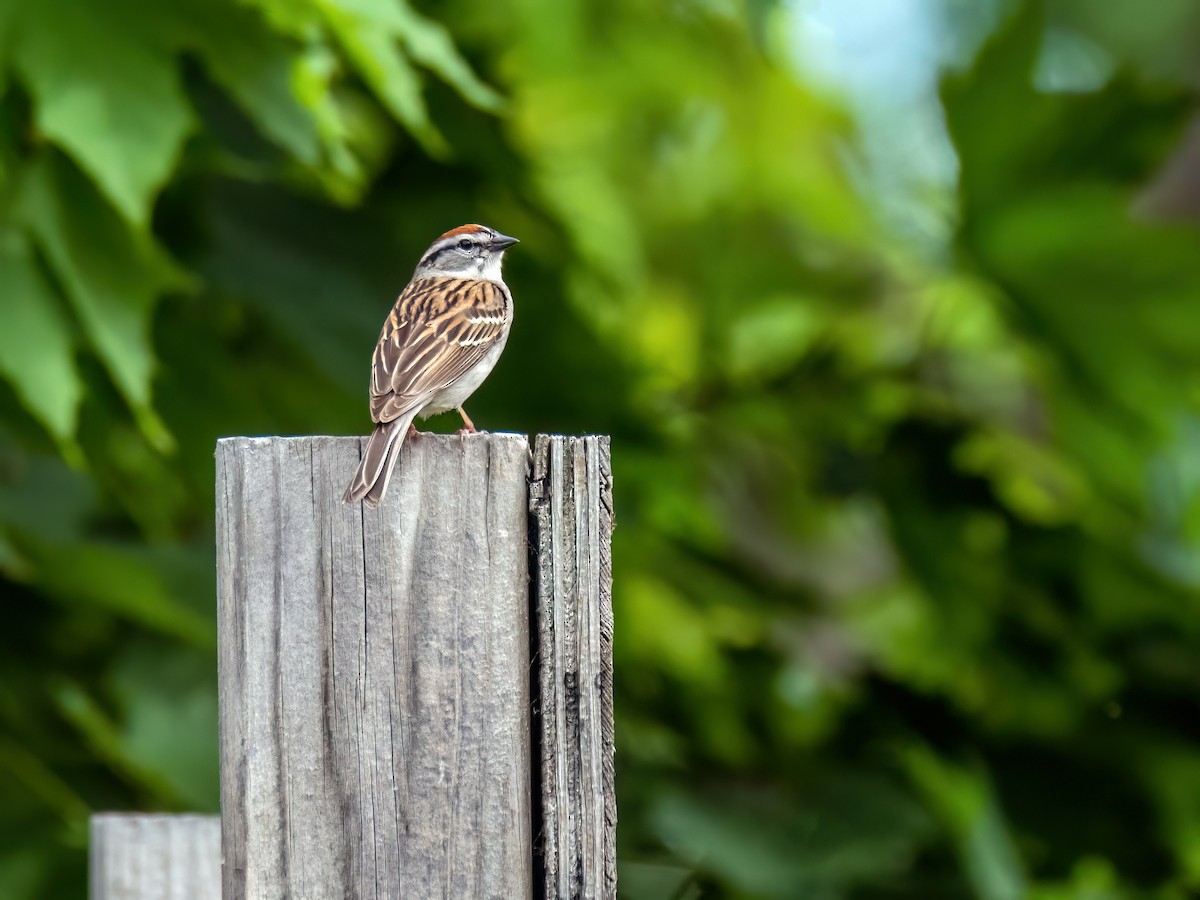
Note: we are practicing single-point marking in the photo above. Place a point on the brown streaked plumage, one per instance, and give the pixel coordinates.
(438, 344)
(438, 330)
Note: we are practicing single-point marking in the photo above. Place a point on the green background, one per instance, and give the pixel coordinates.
(908, 551)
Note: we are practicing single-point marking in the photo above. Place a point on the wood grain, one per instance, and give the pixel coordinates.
(155, 857)
(374, 671)
(571, 525)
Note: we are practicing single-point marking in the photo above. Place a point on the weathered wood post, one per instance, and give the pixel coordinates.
(377, 686)
(154, 857)
(570, 500)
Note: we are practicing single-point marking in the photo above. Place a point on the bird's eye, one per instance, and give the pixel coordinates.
(464, 244)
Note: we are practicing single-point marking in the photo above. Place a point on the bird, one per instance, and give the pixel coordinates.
(441, 340)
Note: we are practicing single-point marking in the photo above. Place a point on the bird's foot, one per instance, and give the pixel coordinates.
(468, 425)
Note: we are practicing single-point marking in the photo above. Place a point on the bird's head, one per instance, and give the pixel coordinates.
(469, 251)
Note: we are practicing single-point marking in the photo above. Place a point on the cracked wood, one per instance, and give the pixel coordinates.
(374, 671)
(571, 517)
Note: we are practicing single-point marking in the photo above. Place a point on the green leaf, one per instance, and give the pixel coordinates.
(768, 338)
(1173, 774)
(30, 768)
(651, 881)
(384, 14)
(112, 102)
(112, 276)
(23, 869)
(295, 17)
(104, 738)
(255, 64)
(313, 76)
(169, 698)
(115, 578)
(37, 349)
(382, 39)
(964, 798)
(844, 827)
(430, 44)
(379, 60)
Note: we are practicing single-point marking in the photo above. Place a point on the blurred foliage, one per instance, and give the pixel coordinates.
(908, 584)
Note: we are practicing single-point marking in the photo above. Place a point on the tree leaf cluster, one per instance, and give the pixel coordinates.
(907, 595)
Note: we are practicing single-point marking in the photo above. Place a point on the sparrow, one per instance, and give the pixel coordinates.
(438, 344)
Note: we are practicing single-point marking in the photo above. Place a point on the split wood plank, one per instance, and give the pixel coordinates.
(571, 526)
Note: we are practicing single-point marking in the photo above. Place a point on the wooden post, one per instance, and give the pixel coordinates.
(570, 502)
(155, 857)
(376, 689)
(374, 671)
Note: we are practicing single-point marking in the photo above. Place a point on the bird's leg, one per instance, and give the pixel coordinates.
(468, 425)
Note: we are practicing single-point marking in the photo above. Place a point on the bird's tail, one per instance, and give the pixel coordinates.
(370, 480)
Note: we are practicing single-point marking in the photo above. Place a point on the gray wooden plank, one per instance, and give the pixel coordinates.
(571, 525)
(154, 857)
(374, 671)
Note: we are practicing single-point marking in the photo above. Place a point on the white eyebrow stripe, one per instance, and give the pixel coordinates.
(449, 243)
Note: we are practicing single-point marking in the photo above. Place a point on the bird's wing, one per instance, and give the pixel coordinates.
(437, 331)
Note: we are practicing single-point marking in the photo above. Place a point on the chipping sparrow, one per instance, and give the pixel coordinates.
(439, 343)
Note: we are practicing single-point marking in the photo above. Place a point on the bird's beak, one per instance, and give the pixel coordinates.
(503, 241)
